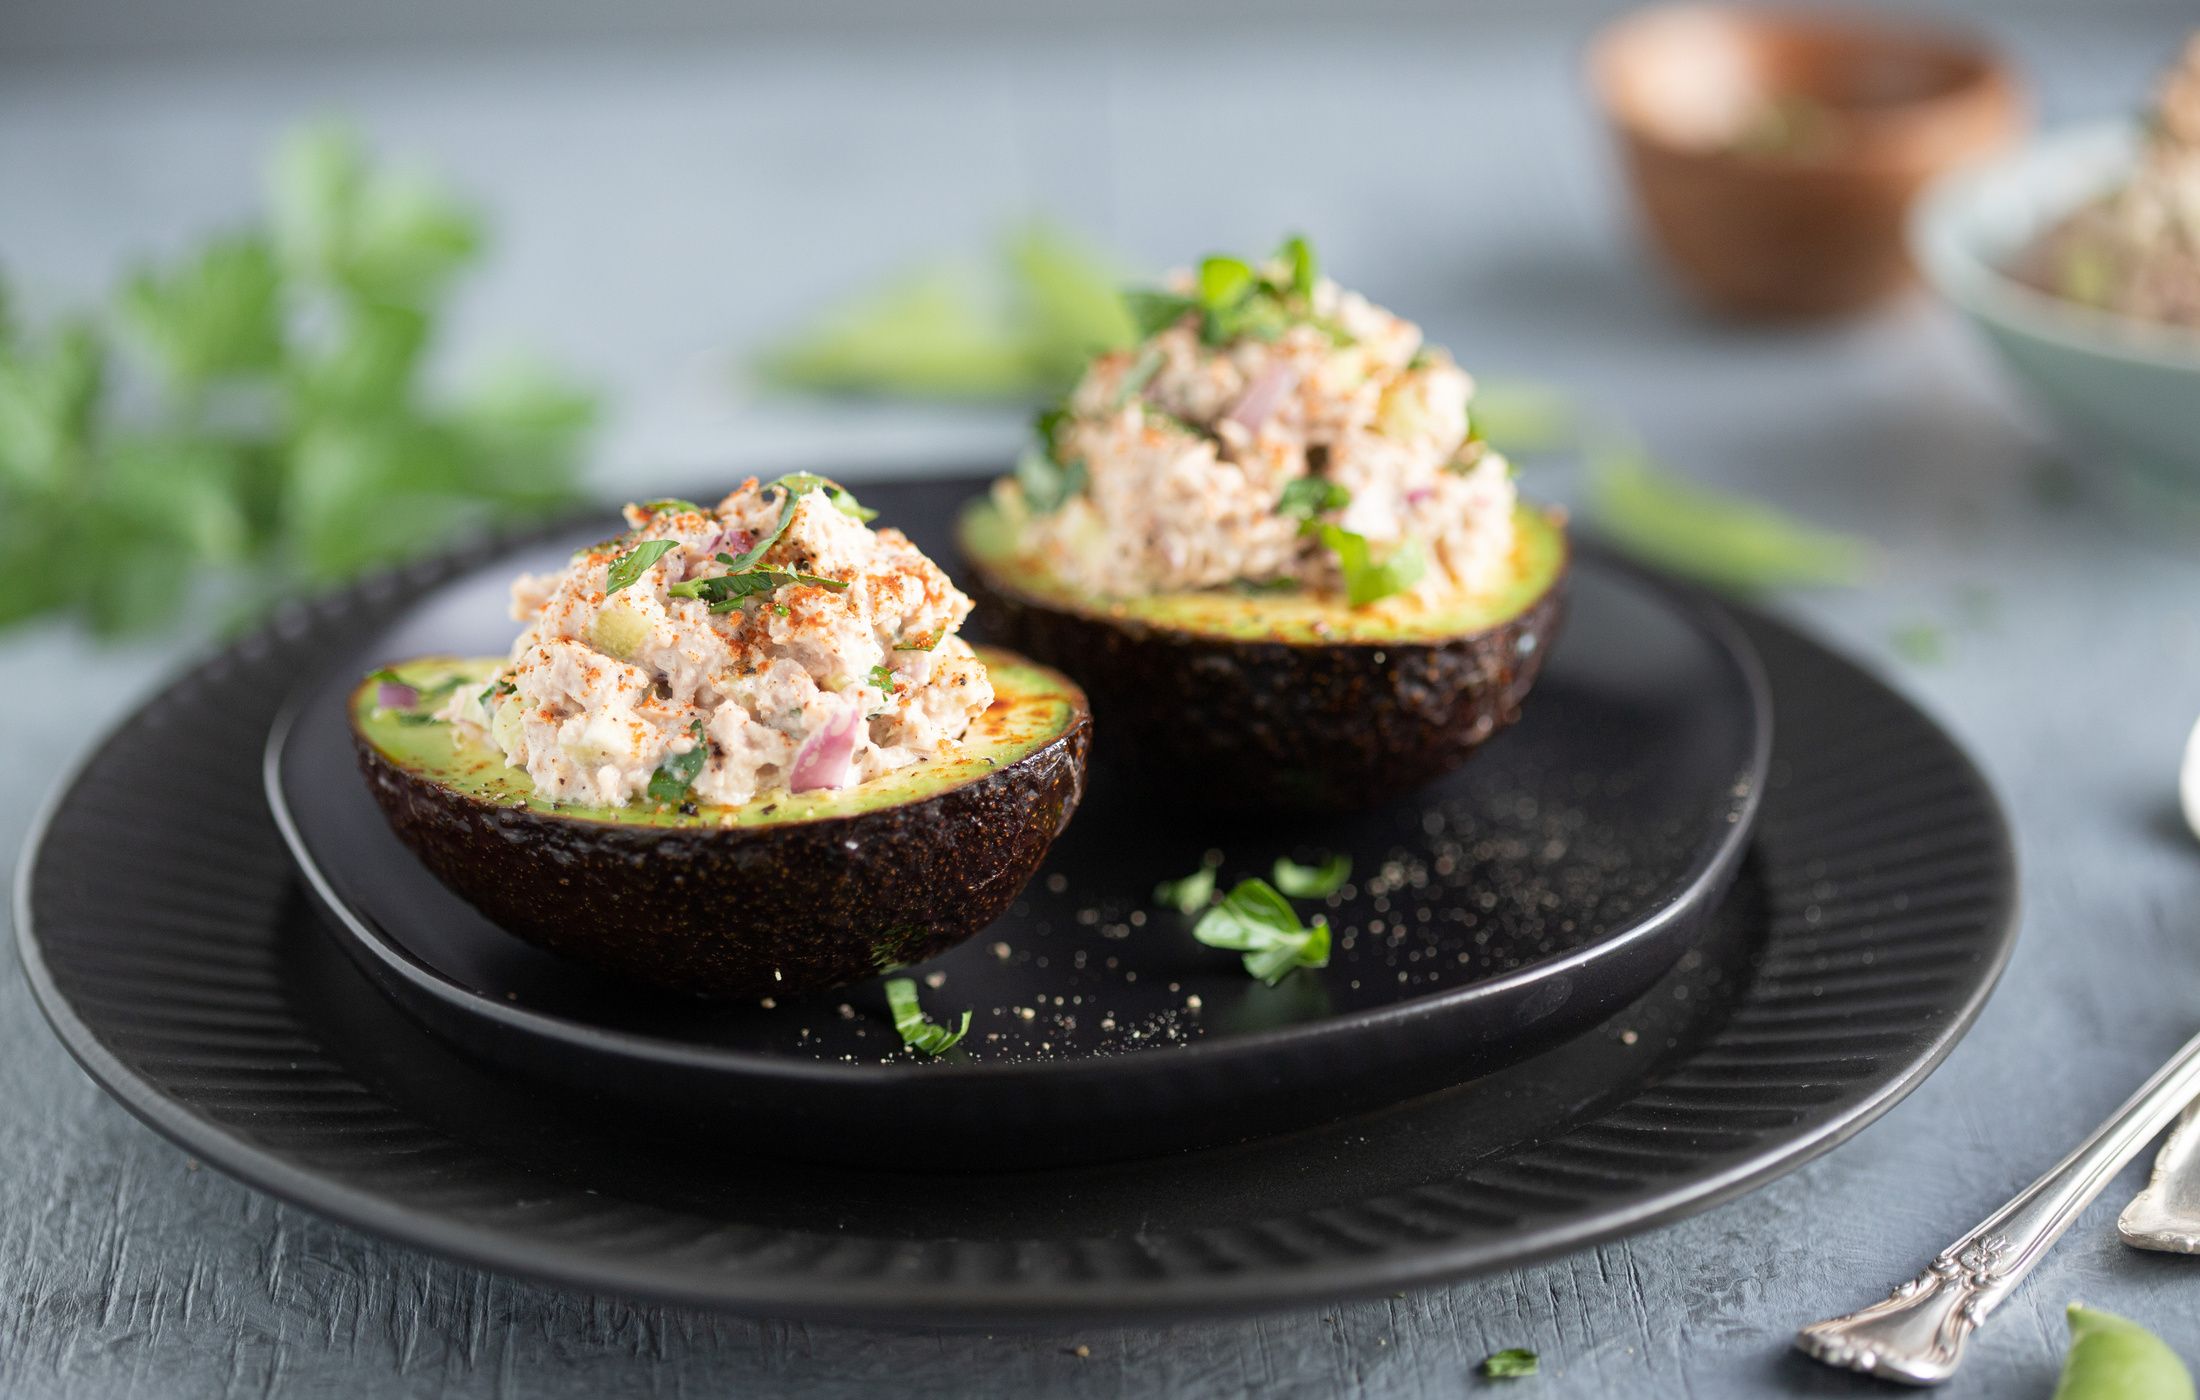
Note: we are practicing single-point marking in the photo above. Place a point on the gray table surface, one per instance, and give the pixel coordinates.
(661, 208)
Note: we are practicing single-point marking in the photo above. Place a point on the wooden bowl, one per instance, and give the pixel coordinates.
(1775, 153)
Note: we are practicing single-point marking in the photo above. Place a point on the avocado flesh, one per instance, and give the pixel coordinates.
(782, 896)
(1031, 708)
(1257, 700)
(988, 539)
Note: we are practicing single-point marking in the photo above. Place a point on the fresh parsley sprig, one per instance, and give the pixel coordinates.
(725, 592)
(917, 1032)
(1256, 920)
(1308, 496)
(1190, 894)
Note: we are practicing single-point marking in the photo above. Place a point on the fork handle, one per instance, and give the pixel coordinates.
(1917, 1334)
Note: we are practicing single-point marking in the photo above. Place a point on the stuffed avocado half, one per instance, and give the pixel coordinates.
(735, 752)
(1271, 542)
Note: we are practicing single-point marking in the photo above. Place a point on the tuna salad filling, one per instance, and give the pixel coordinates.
(2135, 251)
(774, 643)
(1271, 430)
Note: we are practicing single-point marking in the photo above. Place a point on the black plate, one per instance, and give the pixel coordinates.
(1496, 913)
(167, 938)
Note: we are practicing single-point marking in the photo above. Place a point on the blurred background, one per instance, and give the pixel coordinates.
(668, 187)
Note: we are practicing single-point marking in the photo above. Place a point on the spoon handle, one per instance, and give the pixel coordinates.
(1917, 1334)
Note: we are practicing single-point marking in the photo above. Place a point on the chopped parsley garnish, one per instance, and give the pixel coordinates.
(1225, 281)
(801, 483)
(1308, 496)
(1509, 1364)
(1047, 485)
(1254, 919)
(726, 592)
(672, 505)
(1366, 578)
(635, 562)
(1141, 373)
(882, 679)
(928, 642)
(917, 1032)
(1154, 312)
(1313, 881)
(497, 687)
(1190, 894)
(674, 776)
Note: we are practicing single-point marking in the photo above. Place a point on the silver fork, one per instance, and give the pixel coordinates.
(1917, 1334)
(2166, 1214)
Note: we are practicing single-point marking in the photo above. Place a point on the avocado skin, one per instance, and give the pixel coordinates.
(1254, 726)
(747, 912)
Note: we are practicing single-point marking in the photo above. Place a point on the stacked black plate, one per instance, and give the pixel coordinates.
(1716, 902)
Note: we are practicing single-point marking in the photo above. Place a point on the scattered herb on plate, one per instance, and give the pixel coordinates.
(1510, 1364)
(1254, 919)
(1192, 893)
(1313, 881)
(918, 1032)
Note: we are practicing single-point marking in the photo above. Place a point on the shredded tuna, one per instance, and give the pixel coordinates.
(851, 671)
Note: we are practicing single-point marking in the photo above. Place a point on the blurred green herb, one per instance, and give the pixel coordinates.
(282, 435)
(1922, 643)
(1022, 330)
(1731, 543)
(1308, 496)
(1190, 894)
(2114, 1359)
(1313, 881)
(1368, 579)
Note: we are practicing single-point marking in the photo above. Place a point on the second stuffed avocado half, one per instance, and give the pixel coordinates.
(737, 750)
(1271, 542)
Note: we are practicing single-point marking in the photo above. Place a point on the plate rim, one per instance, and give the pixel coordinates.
(381, 956)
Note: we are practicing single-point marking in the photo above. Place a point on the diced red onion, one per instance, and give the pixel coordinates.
(823, 759)
(395, 695)
(1263, 395)
(728, 542)
(1420, 495)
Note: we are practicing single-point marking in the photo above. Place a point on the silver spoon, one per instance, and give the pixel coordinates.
(2166, 1214)
(1917, 1334)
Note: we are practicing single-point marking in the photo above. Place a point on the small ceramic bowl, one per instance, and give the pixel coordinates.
(2126, 393)
(1775, 153)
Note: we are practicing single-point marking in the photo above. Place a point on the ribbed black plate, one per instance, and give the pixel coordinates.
(1494, 913)
(167, 938)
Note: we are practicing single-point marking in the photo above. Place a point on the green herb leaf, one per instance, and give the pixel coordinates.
(1048, 486)
(1141, 373)
(925, 643)
(677, 774)
(882, 679)
(1225, 281)
(2112, 1358)
(1190, 894)
(1259, 922)
(1305, 271)
(1153, 312)
(1308, 496)
(672, 504)
(802, 483)
(1313, 881)
(1366, 578)
(916, 1031)
(1509, 1364)
(725, 592)
(1722, 540)
(633, 564)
